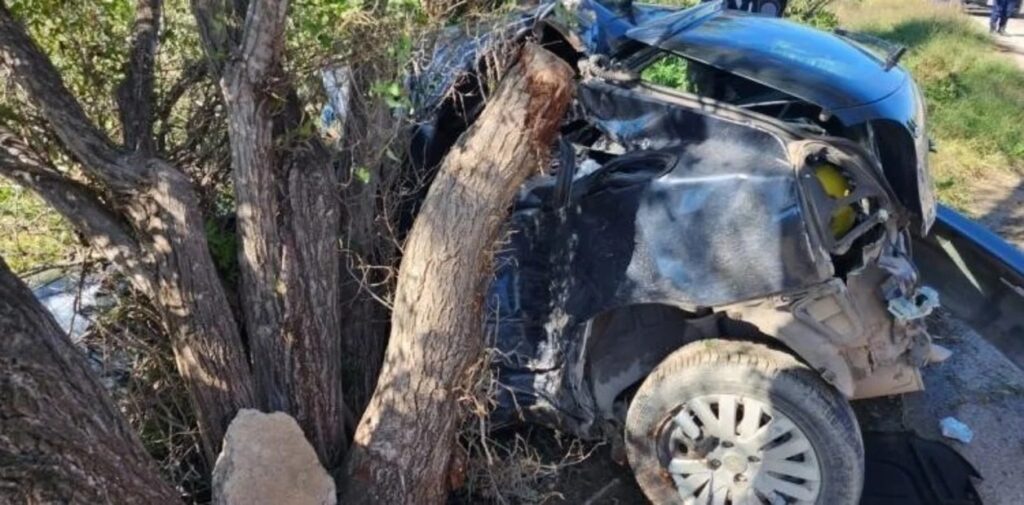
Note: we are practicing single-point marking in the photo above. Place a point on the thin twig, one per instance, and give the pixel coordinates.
(601, 492)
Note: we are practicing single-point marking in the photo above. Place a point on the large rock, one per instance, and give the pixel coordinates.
(267, 459)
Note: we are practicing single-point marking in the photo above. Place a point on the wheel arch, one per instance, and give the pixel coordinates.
(625, 343)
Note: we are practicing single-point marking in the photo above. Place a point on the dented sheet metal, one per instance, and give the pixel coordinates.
(669, 217)
(701, 212)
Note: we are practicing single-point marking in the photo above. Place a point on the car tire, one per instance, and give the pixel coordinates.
(790, 437)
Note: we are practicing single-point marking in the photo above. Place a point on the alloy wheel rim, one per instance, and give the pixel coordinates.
(724, 449)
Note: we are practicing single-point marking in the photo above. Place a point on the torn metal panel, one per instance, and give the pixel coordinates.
(770, 207)
(730, 198)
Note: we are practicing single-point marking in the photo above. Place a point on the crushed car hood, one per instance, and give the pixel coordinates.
(829, 71)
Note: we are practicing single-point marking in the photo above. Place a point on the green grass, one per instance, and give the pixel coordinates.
(669, 71)
(31, 233)
(975, 95)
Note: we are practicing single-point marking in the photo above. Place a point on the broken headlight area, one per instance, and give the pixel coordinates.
(878, 316)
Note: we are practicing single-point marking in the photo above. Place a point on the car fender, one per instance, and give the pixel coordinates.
(809, 344)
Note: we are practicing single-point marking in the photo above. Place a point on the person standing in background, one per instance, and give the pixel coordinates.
(1001, 11)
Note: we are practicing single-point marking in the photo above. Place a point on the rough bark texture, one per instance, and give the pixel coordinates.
(135, 94)
(289, 220)
(207, 345)
(404, 440)
(144, 215)
(62, 440)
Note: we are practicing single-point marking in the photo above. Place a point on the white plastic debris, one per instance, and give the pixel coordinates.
(955, 429)
(938, 353)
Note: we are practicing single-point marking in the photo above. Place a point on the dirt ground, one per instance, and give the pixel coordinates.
(998, 198)
(1013, 42)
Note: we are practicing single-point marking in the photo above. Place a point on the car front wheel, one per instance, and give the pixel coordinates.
(735, 423)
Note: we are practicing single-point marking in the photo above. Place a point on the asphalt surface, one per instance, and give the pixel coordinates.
(977, 385)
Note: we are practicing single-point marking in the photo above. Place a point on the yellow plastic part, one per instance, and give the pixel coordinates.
(836, 186)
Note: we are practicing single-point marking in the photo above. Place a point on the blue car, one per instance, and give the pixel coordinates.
(719, 258)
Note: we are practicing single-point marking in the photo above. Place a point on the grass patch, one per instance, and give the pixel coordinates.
(669, 71)
(31, 233)
(975, 95)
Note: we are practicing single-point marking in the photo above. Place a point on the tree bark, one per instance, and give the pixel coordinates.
(289, 220)
(62, 440)
(404, 441)
(369, 228)
(135, 95)
(145, 217)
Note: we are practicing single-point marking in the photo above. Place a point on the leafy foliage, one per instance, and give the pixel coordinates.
(974, 94)
(816, 13)
(31, 234)
(669, 71)
(86, 42)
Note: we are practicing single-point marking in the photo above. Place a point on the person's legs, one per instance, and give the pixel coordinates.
(993, 16)
(1004, 14)
(1008, 11)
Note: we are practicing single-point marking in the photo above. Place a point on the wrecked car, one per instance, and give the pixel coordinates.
(711, 270)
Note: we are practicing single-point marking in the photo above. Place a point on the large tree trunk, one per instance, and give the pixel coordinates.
(207, 345)
(62, 440)
(289, 219)
(143, 215)
(404, 440)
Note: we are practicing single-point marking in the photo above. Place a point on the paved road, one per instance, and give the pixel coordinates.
(978, 384)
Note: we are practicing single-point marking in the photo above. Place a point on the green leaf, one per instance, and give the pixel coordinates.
(362, 174)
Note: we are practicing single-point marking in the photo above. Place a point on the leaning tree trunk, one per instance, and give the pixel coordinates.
(404, 440)
(62, 440)
(141, 213)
